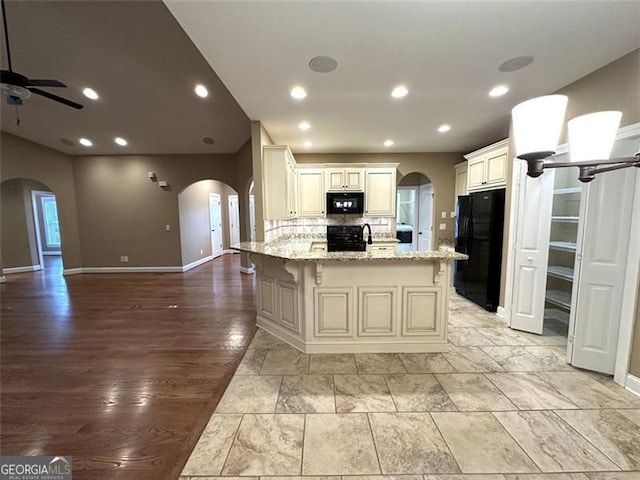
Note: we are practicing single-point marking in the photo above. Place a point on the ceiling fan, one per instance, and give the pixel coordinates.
(18, 87)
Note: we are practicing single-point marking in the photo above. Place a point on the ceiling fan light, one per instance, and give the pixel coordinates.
(591, 136)
(90, 93)
(537, 123)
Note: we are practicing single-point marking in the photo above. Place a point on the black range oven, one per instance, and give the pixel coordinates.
(345, 238)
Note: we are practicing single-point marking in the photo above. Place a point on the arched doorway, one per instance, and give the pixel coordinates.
(207, 222)
(414, 213)
(31, 238)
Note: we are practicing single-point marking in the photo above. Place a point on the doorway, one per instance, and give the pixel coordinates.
(414, 213)
(215, 217)
(234, 220)
(47, 228)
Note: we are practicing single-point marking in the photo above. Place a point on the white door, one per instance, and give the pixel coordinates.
(252, 217)
(425, 221)
(234, 220)
(407, 218)
(531, 249)
(603, 243)
(215, 216)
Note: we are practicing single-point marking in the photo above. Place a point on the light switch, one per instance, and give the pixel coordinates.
(444, 214)
(443, 226)
(167, 228)
(452, 214)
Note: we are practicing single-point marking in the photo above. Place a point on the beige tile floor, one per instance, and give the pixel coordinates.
(499, 405)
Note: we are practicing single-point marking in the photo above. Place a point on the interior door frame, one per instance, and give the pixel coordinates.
(35, 198)
(221, 226)
(430, 191)
(230, 200)
(416, 213)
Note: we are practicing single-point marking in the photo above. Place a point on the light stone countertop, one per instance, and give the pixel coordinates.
(300, 249)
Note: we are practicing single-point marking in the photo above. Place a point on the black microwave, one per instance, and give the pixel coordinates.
(345, 202)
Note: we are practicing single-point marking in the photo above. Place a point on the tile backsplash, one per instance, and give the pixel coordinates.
(273, 229)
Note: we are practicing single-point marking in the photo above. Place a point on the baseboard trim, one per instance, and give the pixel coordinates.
(225, 252)
(197, 263)
(72, 271)
(633, 384)
(247, 270)
(502, 313)
(3, 279)
(28, 268)
(124, 270)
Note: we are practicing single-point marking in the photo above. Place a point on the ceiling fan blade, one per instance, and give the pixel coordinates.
(32, 82)
(51, 96)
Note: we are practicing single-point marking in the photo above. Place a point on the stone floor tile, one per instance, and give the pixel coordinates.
(418, 393)
(306, 394)
(505, 336)
(514, 359)
(554, 358)
(614, 434)
(379, 363)
(471, 360)
(339, 444)
(614, 476)
(382, 477)
(363, 393)
(480, 444)
(213, 446)
(548, 476)
(491, 476)
(252, 361)
(263, 339)
(250, 394)
(285, 361)
(552, 443)
(333, 364)
(468, 337)
(410, 443)
(426, 363)
(465, 319)
(474, 392)
(633, 415)
(266, 445)
(583, 390)
(529, 392)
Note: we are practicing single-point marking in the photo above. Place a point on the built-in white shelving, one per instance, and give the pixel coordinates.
(565, 273)
(565, 219)
(560, 298)
(563, 246)
(567, 191)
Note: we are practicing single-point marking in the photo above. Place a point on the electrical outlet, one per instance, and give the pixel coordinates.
(167, 228)
(443, 226)
(444, 214)
(201, 251)
(124, 259)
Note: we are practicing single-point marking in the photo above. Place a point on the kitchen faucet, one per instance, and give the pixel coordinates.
(369, 240)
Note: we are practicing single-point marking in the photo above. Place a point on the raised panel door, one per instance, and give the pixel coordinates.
(377, 311)
(475, 173)
(420, 311)
(287, 295)
(496, 169)
(335, 179)
(353, 179)
(380, 193)
(265, 298)
(311, 194)
(333, 312)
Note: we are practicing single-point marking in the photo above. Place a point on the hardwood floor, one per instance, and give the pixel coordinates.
(119, 371)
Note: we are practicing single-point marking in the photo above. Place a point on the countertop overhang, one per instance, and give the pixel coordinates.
(300, 250)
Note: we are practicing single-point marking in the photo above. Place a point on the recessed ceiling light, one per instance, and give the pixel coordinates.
(388, 143)
(308, 144)
(298, 93)
(90, 93)
(304, 125)
(86, 142)
(67, 142)
(120, 141)
(202, 91)
(516, 63)
(323, 64)
(399, 92)
(208, 140)
(444, 128)
(498, 91)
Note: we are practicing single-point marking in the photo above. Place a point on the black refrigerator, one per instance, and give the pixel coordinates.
(479, 227)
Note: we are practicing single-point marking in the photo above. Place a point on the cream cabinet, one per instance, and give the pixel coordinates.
(341, 179)
(461, 181)
(380, 192)
(279, 182)
(487, 167)
(383, 246)
(311, 192)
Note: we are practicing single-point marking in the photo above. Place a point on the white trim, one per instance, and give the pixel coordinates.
(3, 279)
(72, 271)
(36, 220)
(502, 313)
(247, 270)
(487, 149)
(28, 268)
(513, 231)
(197, 263)
(225, 252)
(55, 253)
(123, 270)
(633, 384)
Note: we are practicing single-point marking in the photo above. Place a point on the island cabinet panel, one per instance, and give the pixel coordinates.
(265, 301)
(377, 311)
(421, 311)
(333, 311)
(287, 303)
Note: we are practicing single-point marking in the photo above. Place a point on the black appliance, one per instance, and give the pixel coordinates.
(345, 238)
(345, 202)
(479, 226)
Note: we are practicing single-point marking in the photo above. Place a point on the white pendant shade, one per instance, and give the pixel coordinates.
(537, 123)
(591, 136)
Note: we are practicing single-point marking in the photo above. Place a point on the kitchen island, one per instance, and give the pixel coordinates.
(348, 302)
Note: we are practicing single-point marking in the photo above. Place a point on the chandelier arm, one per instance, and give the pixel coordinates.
(616, 167)
(592, 163)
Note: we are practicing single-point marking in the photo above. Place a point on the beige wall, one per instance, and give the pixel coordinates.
(195, 229)
(16, 236)
(437, 167)
(24, 159)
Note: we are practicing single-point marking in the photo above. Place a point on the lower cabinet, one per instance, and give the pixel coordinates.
(333, 312)
(420, 311)
(377, 311)
(287, 303)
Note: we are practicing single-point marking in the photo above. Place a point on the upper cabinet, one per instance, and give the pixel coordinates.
(279, 183)
(311, 192)
(487, 167)
(380, 192)
(461, 181)
(344, 179)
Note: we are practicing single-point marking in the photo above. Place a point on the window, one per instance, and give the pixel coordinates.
(51, 227)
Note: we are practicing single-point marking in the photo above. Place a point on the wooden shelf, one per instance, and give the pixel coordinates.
(565, 219)
(565, 273)
(567, 191)
(563, 246)
(559, 298)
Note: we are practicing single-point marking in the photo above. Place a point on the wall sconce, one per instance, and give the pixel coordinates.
(537, 124)
(152, 176)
